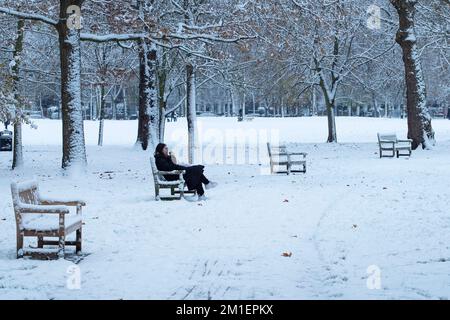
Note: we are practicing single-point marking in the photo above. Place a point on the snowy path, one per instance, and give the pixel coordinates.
(350, 211)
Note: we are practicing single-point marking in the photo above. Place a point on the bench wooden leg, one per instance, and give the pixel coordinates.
(62, 246)
(78, 241)
(20, 245)
(40, 242)
(62, 236)
(181, 187)
(157, 198)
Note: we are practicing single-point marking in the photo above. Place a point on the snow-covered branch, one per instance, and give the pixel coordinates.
(28, 16)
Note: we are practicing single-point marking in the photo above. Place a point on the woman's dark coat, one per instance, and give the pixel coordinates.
(192, 176)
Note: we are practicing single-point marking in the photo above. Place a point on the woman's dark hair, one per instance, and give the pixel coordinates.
(159, 149)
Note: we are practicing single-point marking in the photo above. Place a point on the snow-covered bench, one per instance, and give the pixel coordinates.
(390, 143)
(40, 217)
(279, 156)
(177, 187)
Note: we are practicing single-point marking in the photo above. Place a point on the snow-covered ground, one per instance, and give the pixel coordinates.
(351, 216)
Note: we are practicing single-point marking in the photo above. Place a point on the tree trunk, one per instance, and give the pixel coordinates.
(331, 113)
(143, 120)
(162, 79)
(253, 103)
(162, 125)
(74, 149)
(376, 108)
(419, 119)
(191, 114)
(233, 110)
(244, 105)
(148, 128)
(17, 141)
(314, 102)
(101, 125)
(125, 103)
(332, 136)
(386, 108)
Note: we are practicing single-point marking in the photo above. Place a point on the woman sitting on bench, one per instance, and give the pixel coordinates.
(194, 176)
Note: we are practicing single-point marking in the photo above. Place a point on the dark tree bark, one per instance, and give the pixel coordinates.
(329, 90)
(330, 103)
(143, 120)
(17, 142)
(148, 105)
(102, 116)
(162, 82)
(191, 112)
(74, 150)
(419, 119)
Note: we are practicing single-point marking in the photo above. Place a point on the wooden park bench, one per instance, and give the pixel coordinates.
(279, 156)
(391, 144)
(177, 187)
(44, 218)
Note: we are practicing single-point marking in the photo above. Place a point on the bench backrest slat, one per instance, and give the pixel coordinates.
(387, 137)
(278, 150)
(156, 175)
(24, 193)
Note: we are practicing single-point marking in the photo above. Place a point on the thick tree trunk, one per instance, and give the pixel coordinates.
(74, 150)
(17, 141)
(148, 128)
(17, 145)
(162, 126)
(419, 119)
(191, 112)
(143, 120)
(332, 136)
